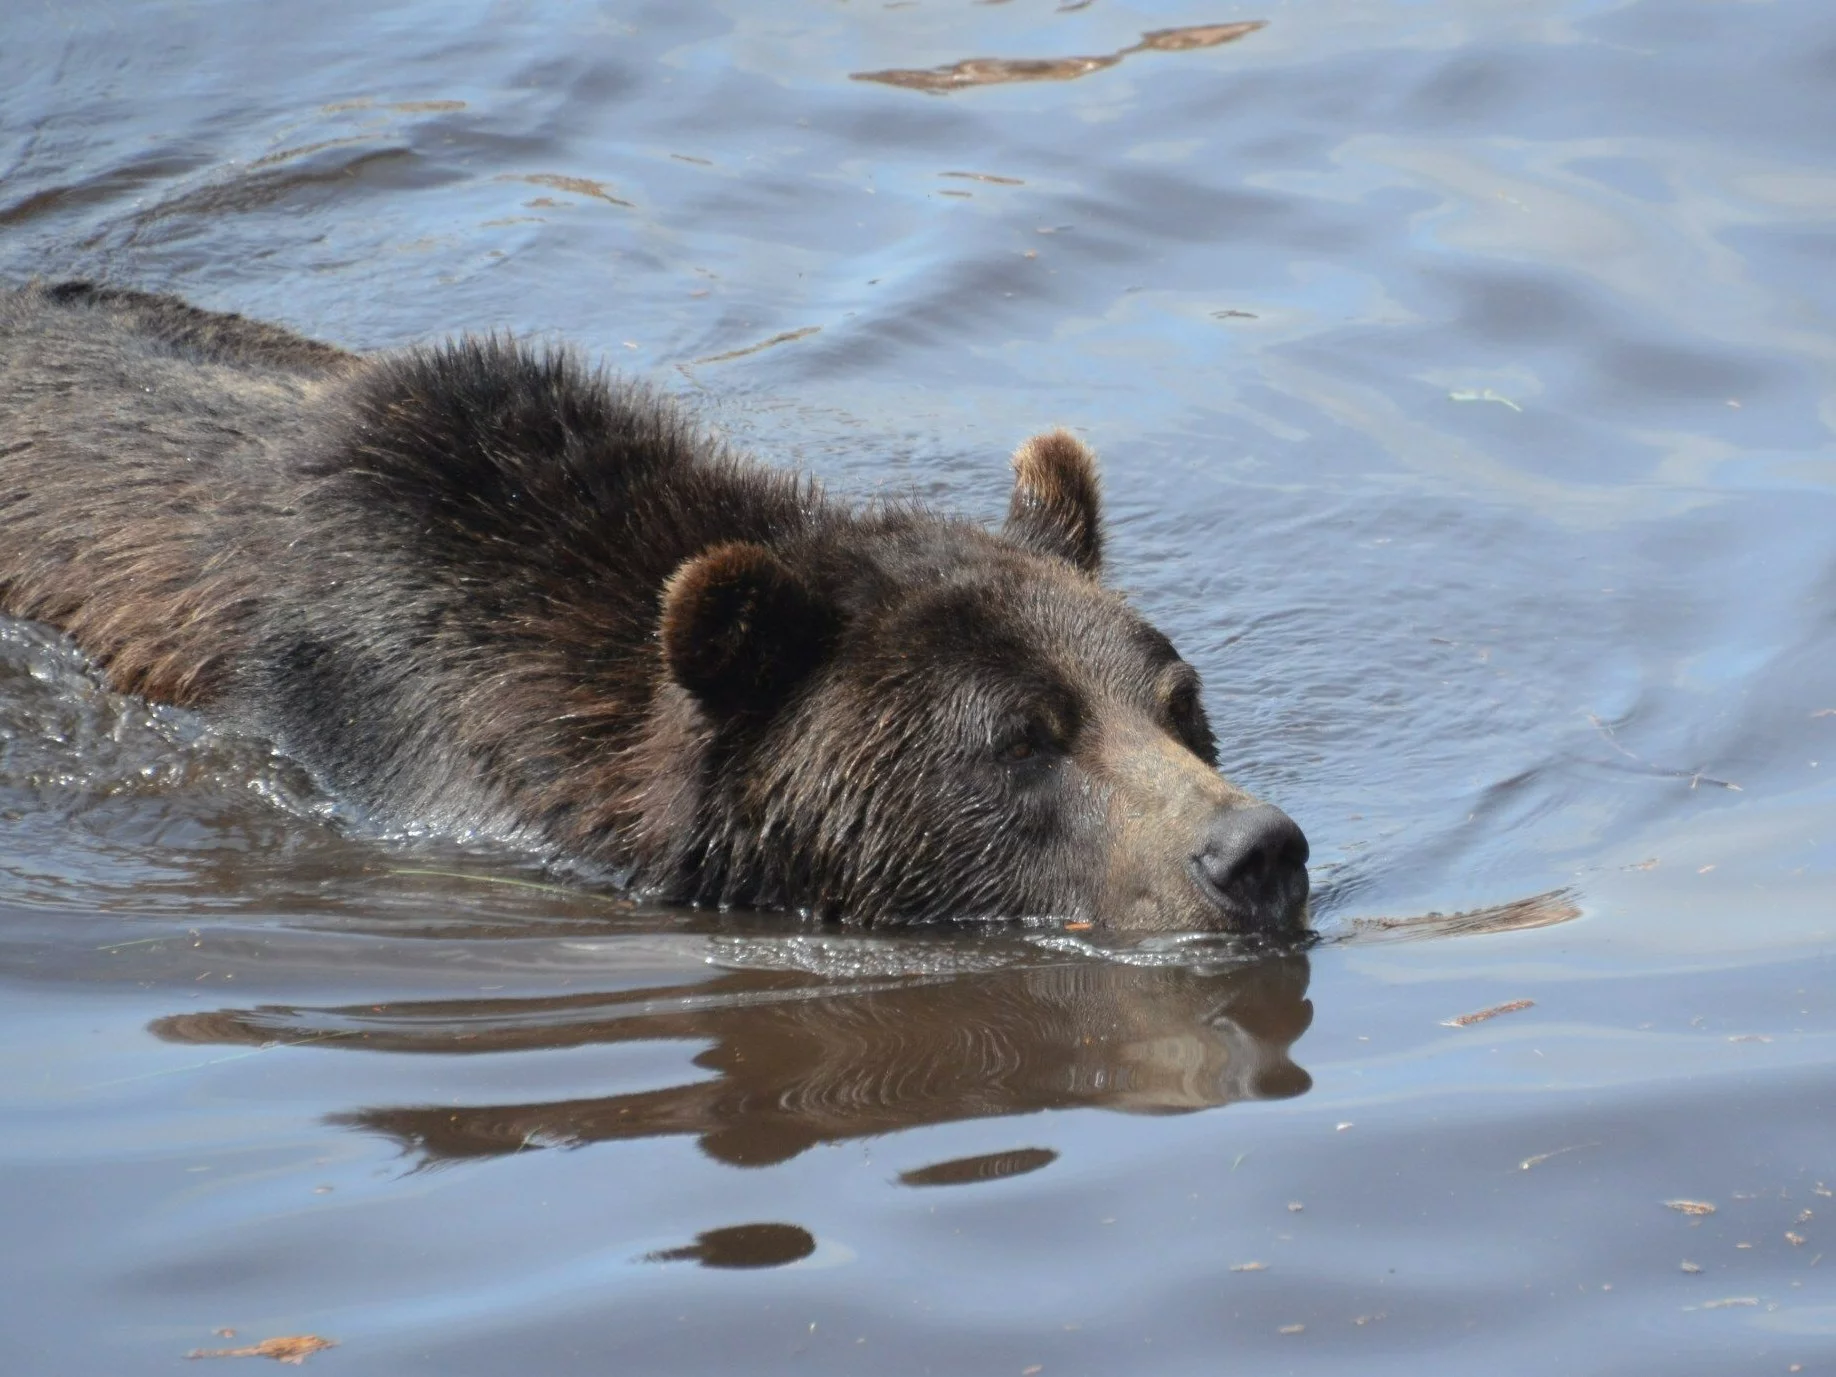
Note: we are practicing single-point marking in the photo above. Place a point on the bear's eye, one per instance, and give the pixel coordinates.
(1182, 704)
(1019, 744)
(1179, 699)
(1022, 742)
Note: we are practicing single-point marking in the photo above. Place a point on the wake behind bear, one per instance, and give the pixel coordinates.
(485, 589)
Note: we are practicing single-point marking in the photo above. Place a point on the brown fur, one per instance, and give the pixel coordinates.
(116, 532)
(1056, 498)
(485, 589)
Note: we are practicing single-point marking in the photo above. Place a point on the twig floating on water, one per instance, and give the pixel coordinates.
(1538, 911)
(288, 1348)
(1543, 1157)
(1482, 394)
(580, 186)
(1694, 777)
(561, 891)
(984, 177)
(995, 71)
(784, 338)
(1467, 1020)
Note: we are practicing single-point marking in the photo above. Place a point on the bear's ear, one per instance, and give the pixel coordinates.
(1056, 509)
(740, 629)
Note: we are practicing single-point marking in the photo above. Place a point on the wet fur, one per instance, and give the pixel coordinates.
(485, 588)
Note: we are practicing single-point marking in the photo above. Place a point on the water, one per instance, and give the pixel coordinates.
(1462, 371)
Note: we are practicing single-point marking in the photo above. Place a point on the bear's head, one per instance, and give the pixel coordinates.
(909, 718)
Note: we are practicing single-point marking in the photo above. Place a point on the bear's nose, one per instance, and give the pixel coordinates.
(1252, 863)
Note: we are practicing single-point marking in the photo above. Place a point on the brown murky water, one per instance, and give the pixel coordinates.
(1463, 371)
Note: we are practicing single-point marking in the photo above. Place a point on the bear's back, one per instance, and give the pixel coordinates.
(139, 448)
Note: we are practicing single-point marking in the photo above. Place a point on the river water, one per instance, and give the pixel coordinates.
(1464, 373)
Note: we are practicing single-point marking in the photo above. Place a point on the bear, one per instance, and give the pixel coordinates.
(487, 589)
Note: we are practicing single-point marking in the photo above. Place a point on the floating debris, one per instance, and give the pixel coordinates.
(289, 1348)
(1468, 1020)
(784, 338)
(1543, 1157)
(406, 107)
(1694, 777)
(1193, 36)
(1538, 911)
(559, 891)
(1483, 394)
(580, 186)
(996, 71)
(988, 71)
(1696, 1207)
(1687, 1266)
(1249, 1267)
(984, 177)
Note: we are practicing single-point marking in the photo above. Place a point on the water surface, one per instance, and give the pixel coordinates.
(1463, 376)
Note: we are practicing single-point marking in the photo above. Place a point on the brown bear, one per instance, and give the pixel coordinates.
(485, 589)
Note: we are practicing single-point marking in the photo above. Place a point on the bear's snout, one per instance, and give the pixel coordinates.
(1251, 862)
(1187, 849)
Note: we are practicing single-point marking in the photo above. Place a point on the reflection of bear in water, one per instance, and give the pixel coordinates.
(798, 1060)
(483, 589)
